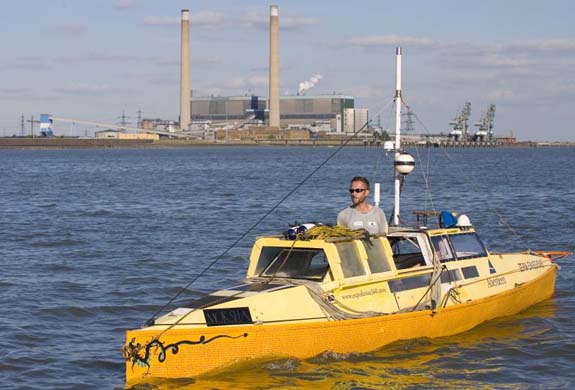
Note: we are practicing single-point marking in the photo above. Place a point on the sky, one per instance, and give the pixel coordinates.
(97, 60)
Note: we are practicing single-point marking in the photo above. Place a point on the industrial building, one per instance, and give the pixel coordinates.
(229, 109)
(354, 119)
(117, 134)
(295, 111)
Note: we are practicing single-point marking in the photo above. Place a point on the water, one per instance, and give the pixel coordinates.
(93, 242)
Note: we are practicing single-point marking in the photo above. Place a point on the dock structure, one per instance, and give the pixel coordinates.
(105, 143)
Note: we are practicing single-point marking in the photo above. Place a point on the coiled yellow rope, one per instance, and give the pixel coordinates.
(322, 232)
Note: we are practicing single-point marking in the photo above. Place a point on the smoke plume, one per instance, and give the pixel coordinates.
(305, 85)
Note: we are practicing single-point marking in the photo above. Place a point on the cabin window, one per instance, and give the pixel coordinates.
(470, 272)
(442, 248)
(376, 256)
(467, 246)
(293, 263)
(350, 261)
(412, 283)
(450, 276)
(406, 252)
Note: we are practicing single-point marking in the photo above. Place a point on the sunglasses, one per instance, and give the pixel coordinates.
(356, 190)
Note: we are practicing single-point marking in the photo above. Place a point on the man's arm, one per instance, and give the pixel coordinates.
(341, 218)
(383, 228)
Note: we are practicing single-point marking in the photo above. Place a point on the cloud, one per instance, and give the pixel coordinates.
(96, 57)
(71, 30)
(195, 62)
(202, 19)
(518, 55)
(27, 63)
(210, 19)
(90, 89)
(288, 22)
(162, 21)
(503, 94)
(541, 46)
(233, 86)
(259, 81)
(125, 4)
(13, 92)
(265, 68)
(390, 40)
(369, 92)
(518, 73)
(261, 68)
(521, 72)
(256, 81)
(162, 81)
(235, 83)
(501, 60)
(214, 19)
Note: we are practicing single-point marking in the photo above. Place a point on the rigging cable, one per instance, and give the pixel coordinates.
(424, 171)
(271, 210)
(388, 108)
(501, 220)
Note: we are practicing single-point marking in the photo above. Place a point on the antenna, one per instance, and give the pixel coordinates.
(404, 162)
(397, 132)
(32, 121)
(408, 123)
(124, 119)
(139, 124)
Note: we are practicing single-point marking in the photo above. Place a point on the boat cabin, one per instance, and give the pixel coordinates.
(341, 259)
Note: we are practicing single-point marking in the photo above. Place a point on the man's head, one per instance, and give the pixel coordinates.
(359, 190)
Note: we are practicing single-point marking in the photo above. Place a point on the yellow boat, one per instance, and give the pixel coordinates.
(333, 289)
(344, 294)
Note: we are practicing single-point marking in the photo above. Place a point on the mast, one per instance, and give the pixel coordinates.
(397, 100)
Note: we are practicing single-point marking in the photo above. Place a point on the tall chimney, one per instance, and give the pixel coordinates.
(185, 72)
(274, 108)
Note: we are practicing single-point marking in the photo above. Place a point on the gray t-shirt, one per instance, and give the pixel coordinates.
(373, 221)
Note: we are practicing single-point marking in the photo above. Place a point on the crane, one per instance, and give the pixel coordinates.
(485, 124)
(459, 124)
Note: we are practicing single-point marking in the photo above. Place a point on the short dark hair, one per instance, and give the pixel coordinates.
(361, 179)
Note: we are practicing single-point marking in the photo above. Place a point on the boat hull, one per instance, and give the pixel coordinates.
(189, 352)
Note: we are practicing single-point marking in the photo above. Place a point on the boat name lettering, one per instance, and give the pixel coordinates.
(373, 291)
(231, 316)
(494, 282)
(530, 265)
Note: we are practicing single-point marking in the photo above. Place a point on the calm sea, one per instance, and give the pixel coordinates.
(93, 242)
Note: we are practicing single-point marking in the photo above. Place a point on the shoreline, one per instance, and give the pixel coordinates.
(97, 143)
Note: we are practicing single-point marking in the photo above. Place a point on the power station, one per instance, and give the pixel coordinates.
(201, 117)
(258, 116)
(329, 113)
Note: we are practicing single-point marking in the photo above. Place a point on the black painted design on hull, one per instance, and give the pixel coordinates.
(132, 351)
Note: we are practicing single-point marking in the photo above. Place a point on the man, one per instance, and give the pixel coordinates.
(362, 215)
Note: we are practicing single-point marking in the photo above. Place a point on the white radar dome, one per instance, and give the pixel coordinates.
(404, 163)
(463, 221)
